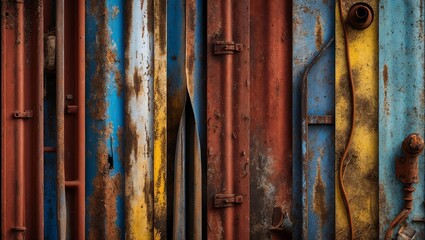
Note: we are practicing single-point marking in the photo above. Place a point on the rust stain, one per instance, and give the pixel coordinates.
(319, 198)
(120, 134)
(319, 33)
(386, 104)
(106, 58)
(369, 118)
(103, 200)
(383, 209)
(115, 11)
(137, 81)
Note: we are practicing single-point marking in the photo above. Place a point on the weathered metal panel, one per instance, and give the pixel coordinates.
(270, 117)
(401, 104)
(360, 174)
(160, 119)
(105, 119)
(139, 119)
(313, 67)
(22, 67)
(228, 119)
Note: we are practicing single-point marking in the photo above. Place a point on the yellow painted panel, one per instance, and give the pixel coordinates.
(160, 120)
(361, 174)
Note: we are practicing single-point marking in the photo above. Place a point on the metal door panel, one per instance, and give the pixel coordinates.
(401, 104)
(313, 194)
(228, 119)
(361, 174)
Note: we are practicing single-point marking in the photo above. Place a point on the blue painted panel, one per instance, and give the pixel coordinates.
(314, 212)
(401, 103)
(104, 119)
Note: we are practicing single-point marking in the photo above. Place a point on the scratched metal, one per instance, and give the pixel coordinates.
(314, 214)
(361, 171)
(139, 119)
(401, 104)
(228, 119)
(270, 119)
(105, 119)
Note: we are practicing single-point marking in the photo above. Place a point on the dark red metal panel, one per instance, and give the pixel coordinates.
(19, 210)
(271, 128)
(228, 119)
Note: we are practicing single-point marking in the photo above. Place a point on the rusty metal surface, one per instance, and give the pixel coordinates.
(270, 116)
(139, 120)
(20, 213)
(19, 209)
(228, 119)
(61, 207)
(361, 163)
(401, 105)
(313, 175)
(105, 119)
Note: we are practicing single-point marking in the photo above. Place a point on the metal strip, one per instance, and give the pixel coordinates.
(361, 167)
(60, 119)
(40, 121)
(139, 119)
(401, 104)
(160, 119)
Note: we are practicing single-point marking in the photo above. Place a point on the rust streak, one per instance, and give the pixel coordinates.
(319, 198)
(386, 104)
(319, 33)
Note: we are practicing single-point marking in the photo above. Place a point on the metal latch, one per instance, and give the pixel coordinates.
(406, 233)
(227, 47)
(24, 115)
(227, 200)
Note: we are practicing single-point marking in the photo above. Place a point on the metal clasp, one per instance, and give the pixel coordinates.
(227, 200)
(227, 47)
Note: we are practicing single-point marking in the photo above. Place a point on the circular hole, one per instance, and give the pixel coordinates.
(362, 13)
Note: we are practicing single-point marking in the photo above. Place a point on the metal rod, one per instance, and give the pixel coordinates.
(304, 136)
(81, 119)
(60, 111)
(40, 123)
(229, 213)
(20, 181)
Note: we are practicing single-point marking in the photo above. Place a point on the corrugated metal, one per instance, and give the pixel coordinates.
(105, 119)
(361, 165)
(401, 104)
(314, 204)
(19, 210)
(228, 119)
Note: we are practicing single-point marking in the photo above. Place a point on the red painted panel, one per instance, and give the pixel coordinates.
(228, 119)
(271, 128)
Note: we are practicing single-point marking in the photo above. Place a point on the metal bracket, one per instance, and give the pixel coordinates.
(23, 115)
(227, 200)
(406, 233)
(227, 47)
(71, 109)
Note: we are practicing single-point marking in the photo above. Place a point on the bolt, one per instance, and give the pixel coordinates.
(413, 144)
(360, 16)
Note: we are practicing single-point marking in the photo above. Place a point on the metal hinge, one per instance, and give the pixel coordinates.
(227, 200)
(224, 47)
(25, 114)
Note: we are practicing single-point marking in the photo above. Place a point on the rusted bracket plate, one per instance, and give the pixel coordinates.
(23, 115)
(227, 47)
(227, 200)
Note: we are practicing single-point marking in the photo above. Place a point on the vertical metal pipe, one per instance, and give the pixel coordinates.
(39, 113)
(20, 181)
(60, 108)
(81, 119)
(228, 121)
